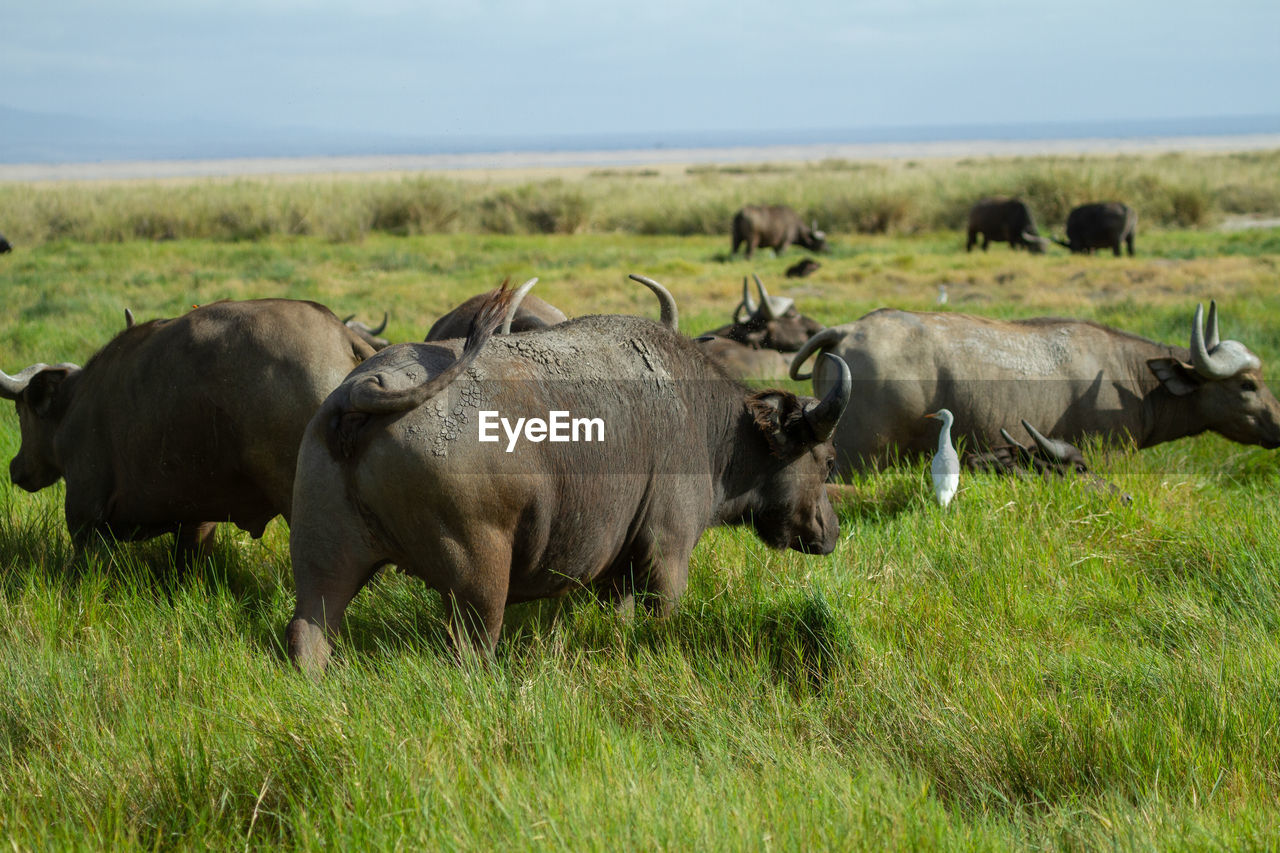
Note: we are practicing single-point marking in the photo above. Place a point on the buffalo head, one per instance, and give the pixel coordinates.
(41, 394)
(774, 323)
(792, 509)
(1223, 384)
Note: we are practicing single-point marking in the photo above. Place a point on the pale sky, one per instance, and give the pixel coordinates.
(502, 67)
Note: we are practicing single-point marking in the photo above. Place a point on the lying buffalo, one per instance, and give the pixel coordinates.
(1047, 457)
(776, 226)
(1100, 225)
(742, 361)
(1075, 377)
(526, 314)
(178, 424)
(773, 323)
(1004, 220)
(394, 469)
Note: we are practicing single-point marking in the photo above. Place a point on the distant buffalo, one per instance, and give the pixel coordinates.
(1100, 225)
(5, 245)
(803, 268)
(776, 226)
(527, 313)
(1004, 220)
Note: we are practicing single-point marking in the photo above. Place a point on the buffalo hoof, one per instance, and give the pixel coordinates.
(308, 647)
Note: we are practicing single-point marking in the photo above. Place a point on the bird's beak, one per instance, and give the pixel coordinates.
(933, 415)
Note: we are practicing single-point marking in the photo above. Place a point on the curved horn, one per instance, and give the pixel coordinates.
(513, 307)
(824, 340)
(773, 306)
(823, 415)
(1211, 327)
(128, 319)
(745, 303)
(1051, 447)
(1222, 361)
(670, 317)
(11, 387)
(378, 330)
(1004, 433)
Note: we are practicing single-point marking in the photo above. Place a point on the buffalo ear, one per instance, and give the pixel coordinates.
(779, 415)
(41, 392)
(1177, 377)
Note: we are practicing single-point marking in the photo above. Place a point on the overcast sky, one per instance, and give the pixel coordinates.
(501, 67)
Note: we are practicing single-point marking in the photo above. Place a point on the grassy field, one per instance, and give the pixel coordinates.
(1038, 666)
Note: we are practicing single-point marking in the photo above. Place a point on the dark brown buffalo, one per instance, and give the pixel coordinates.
(527, 313)
(1003, 220)
(392, 470)
(1100, 225)
(776, 226)
(1047, 457)
(178, 424)
(802, 268)
(5, 246)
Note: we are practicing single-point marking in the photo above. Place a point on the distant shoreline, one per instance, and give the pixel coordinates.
(494, 165)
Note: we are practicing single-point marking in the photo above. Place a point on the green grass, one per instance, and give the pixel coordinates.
(1038, 666)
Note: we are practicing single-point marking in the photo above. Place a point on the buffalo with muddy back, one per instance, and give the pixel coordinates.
(393, 469)
(178, 424)
(1076, 378)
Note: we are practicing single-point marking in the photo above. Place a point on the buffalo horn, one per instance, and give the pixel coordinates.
(1211, 327)
(1221, 360)
(378, 330)
(347, 319)
(11, 387)
(512, 308)
(824, 340)
(669, 316)
(128, 319)
(1051, 447)
(825, 413)
(745, 303)
(772, 306)
(1011, 440)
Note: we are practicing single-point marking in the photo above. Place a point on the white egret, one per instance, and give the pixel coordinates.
(946, 463)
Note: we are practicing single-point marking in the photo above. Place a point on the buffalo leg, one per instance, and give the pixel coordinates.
(986, 241)
(1128, 242)
(973, 238)
(194, 543)
(1116, 248)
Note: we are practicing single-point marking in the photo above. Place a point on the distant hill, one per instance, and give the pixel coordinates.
(46, 138)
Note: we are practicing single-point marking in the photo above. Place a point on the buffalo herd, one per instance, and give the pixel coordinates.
(378, 454)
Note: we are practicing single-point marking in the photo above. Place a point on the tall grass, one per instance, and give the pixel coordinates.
(1171, 190)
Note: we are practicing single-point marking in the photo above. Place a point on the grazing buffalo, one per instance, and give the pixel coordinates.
(802, 268)
(178, 424)
(527, 313)
(1100, 225)
(367, 334)
(774, 323)
(1047, 457)
(5, 245)
(774, 225)
(1077, 378)
(1004, 220)
(396, 468)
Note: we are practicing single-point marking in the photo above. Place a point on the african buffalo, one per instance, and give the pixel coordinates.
(1004, 220)
(1100, 225)
(774, 225)
(367, 334)
(743, 361)
(774, 323)
(1076, 377)
(178, 424)
(803, 267)
(1047, 457)
(5, 246)
(394, 468)
(527, 313)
